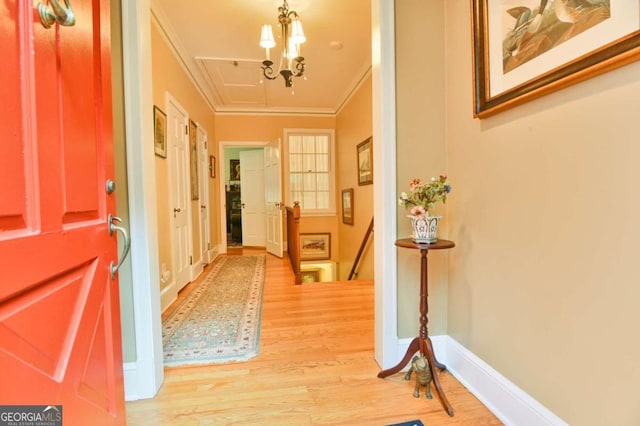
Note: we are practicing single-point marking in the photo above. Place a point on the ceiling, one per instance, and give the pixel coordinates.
(218, 42)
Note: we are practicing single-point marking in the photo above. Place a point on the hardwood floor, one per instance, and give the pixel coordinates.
(315, 366)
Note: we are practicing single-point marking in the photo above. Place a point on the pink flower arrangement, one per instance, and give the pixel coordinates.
(422, 197)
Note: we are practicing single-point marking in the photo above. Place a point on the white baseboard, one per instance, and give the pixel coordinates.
(506, 401)
(130, 381)
(168, 295)
(139, 381)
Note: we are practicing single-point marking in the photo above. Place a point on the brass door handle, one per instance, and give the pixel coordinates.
(177, 210)
(49, 15)
(127, 243)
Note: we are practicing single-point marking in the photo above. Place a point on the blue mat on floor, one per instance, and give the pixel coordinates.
(411, 423)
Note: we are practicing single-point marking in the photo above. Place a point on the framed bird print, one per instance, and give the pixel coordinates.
(523, 49)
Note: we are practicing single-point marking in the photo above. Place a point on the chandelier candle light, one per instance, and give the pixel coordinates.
(420, 198)
(292, 38)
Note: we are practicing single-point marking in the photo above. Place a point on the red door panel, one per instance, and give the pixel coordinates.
(59, 306)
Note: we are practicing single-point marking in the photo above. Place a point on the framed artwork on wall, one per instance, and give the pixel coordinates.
(159, 132)
(316, 246)
(193, 149)
(526, 49)
(310, 275)
(347, 206)
(234, 169)
(365, 162)
(212, 166)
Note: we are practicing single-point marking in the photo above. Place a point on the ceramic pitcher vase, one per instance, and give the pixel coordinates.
(425, 228)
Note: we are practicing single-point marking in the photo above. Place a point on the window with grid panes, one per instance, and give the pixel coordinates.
(310, 171)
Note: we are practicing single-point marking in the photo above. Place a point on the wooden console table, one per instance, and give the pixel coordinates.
(422, 343)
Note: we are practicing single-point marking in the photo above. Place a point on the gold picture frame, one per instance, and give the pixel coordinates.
(315, 246)
(193, 149)
(212, 166)
(347, 206)
(521, 53)
(310, 275)
(159, 132)
(365, 162)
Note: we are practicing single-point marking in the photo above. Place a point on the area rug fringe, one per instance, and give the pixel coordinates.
(219, 321)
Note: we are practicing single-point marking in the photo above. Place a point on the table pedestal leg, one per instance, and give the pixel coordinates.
(427, 351)
(425, 347)
(413, 348)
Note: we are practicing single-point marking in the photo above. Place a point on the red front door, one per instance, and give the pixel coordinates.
(59, 306)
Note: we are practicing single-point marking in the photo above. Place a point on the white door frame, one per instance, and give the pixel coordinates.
(144, 377)
(388, 349)
(223, 190)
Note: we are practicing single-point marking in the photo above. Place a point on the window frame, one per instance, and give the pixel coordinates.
(331, 209)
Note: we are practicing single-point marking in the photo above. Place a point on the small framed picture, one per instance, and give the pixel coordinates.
(365, 163)
(159, 132)
(310, 275)
(193, 147)
(212, 166)
(234, 169)
(315, 246)
(347, 206)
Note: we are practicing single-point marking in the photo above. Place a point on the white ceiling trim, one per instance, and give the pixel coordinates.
(188, 64)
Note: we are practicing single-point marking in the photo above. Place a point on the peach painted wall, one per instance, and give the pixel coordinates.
(353, 127)
(265, 128)
(169, 76)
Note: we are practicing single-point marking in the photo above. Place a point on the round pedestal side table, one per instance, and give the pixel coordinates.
(422, 343)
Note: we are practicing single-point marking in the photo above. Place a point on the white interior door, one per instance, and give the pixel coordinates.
(180, 190)
(273, 198)
(252, 198)
(205, 208)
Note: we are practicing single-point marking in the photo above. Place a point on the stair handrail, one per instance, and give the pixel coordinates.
(361, 250)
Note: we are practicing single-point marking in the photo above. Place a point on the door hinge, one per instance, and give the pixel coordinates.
(208, 246)
(205, 144)
(190, 260)
(186, 129)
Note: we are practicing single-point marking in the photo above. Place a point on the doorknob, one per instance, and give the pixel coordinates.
(127, 243)
(56, 13)
(242, 205)
(176, 210)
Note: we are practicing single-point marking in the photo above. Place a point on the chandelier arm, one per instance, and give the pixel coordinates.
(267, 70)
(299, 67)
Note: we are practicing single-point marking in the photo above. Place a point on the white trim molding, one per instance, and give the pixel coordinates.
(144, 377)
(506, 401)
(384, 179)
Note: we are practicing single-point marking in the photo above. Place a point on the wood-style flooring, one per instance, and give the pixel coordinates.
(316, 366)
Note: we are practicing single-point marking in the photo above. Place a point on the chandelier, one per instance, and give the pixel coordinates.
(291, 61)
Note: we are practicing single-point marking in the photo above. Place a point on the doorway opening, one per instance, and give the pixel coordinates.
(235, 219)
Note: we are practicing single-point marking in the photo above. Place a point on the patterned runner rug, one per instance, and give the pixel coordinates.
(219, 321)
